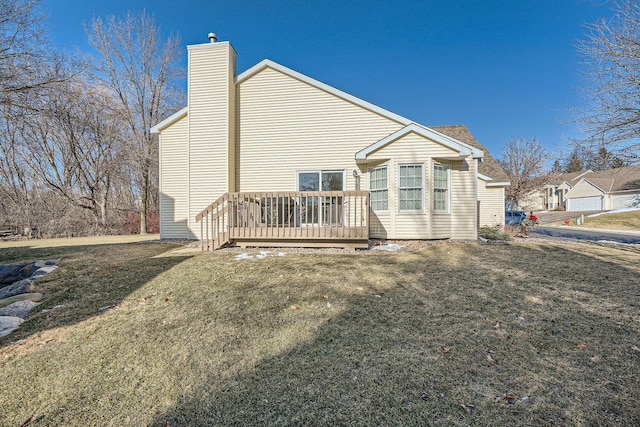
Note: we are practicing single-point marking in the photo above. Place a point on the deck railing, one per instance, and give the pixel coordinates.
(286, 218)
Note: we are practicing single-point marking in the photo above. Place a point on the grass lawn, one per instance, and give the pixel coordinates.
(456, 334)
(617, 221)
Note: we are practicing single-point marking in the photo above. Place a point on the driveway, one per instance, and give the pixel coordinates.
(577, 233)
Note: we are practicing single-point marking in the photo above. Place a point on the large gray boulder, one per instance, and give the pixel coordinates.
(20, 287)
(9, 324)
(19, 309)
(12, 273)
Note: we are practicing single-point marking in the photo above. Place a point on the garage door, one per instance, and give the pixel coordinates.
(585, 204)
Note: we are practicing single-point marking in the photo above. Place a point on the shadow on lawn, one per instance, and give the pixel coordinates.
(89, 280)
(430, 335)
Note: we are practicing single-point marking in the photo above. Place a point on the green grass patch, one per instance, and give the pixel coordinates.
(615, 221)
(331, 339)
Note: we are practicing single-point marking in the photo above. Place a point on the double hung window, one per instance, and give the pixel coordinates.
(379, 188)
(411, 188)
(440, 188)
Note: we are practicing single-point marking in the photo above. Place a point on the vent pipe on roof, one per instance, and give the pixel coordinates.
(213, 38)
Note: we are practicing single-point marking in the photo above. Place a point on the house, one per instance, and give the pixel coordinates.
(605, 190)
(273, 157)
(554, 192)
(590, 191)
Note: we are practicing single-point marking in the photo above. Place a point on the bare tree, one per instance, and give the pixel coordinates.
(523, 161)
(612, 71)
(74, 145)
(142, 70)
(27, 64)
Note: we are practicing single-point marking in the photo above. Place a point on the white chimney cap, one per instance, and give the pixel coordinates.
(213, 38)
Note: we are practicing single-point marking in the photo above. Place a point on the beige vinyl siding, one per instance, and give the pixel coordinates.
(583, 189)
(211, 136)
(464, 200)
(286, 126)
(174, 188)
(491, 204)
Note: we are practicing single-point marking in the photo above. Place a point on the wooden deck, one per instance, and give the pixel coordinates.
(291, 219)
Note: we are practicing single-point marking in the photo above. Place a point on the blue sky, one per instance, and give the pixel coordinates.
(504, 68)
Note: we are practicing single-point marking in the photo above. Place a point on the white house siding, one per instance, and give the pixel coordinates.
(174, 187)
(286, 125)
(211, 91)
(464, 196)
(625, 200)
(491, 204)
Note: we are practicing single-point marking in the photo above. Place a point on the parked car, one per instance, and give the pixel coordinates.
(514, 217)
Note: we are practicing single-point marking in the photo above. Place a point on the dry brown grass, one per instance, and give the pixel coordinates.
(323, 339)
(617, 221)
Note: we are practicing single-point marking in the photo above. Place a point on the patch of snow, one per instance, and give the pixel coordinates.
(609, 242)
(282, 254)
(389, 247)
(244, 255)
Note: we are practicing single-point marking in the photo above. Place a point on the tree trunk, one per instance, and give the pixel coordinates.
(144, 193)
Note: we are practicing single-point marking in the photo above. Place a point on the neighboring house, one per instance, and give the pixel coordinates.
(554, 192)
(606, 190)
(590, 191)
(273, 157)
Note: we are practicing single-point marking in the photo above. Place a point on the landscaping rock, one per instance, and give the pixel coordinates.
(39, 273)
(11, 273)
(19, 287)
(41, 263)
(9, 324)
(22, 297)
(19, 309)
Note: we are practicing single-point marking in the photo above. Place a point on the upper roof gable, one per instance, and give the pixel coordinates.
(581, 184)
(267, 63)
(410, 126)
(463, 149)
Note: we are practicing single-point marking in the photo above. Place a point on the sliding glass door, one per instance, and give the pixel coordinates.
(321, 210)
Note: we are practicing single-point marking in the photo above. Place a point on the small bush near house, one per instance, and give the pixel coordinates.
(492, 233)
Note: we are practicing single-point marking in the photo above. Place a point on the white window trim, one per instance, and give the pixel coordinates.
(379, 189)
(411, 211)
(447, 168)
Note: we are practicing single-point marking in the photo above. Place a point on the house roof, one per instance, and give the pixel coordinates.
(613, 180)
(571, 178)
(170, 120)
(489, 167)
(447, 140)
(462, 148)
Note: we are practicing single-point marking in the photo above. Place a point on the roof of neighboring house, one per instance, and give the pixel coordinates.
(489, 166)
(618, 179)
(571, 178)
